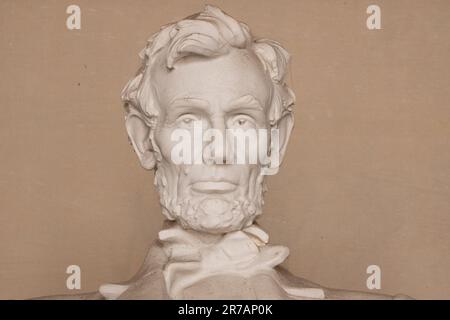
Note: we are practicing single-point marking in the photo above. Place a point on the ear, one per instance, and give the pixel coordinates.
(139, 134)
(285, 126)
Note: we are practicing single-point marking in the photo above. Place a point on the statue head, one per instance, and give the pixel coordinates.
(207, 72)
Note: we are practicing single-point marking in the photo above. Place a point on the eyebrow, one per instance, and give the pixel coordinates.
(245, 102)
(188, 101)
(181, 105)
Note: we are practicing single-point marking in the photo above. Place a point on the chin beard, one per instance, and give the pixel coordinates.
(211, 213)
(215, 214)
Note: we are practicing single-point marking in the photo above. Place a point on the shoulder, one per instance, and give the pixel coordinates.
(291, 280)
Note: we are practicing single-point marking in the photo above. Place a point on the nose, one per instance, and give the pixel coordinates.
(215, 152)
(218, 123)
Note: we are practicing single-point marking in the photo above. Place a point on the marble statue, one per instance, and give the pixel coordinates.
(207, 69)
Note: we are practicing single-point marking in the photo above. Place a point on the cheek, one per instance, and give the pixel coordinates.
(246, 173)
(163, 138)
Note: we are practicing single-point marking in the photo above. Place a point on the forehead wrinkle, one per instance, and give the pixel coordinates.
(188, 100)
(247, 100)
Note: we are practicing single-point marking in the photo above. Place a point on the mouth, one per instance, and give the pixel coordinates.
(213, 187)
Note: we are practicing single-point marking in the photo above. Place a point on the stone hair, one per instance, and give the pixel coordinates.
(210, 33)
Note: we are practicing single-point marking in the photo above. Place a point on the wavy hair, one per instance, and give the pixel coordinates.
(210, 33)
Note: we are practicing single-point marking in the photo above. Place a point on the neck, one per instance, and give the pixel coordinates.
(203, 237)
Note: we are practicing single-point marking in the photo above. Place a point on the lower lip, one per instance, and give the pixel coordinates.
(213, 187)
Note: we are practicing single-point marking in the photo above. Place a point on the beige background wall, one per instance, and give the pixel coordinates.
(367, 175)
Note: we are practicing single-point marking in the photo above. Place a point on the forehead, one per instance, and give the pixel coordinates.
(218, 80)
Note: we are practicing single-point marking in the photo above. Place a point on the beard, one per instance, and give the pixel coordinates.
(210, 213)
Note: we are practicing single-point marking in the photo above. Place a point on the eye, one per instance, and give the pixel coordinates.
(242, 121)
(187, 120)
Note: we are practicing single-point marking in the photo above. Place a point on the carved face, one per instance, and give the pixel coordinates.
(231, 91)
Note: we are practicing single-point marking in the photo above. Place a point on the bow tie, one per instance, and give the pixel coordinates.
(192, 258)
